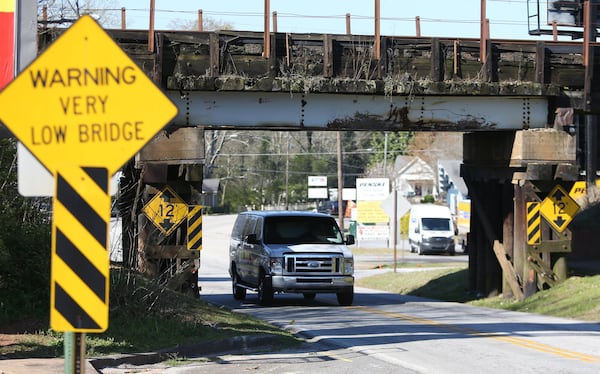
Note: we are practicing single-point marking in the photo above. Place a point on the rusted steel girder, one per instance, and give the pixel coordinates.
(266, 110)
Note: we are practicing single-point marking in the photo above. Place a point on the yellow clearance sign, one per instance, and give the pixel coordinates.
(166, 210)
(95, 107)
(558, 208)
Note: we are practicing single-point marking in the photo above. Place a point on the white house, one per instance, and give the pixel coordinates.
(413, 177)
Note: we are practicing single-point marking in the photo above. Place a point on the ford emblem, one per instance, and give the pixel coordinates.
(313, 264)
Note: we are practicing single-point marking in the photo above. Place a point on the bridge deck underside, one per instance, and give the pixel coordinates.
(267, 110)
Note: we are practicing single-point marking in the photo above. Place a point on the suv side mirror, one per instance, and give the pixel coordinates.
(251, 239)
(349, 239)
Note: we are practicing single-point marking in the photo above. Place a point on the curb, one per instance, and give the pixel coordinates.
(235, 344)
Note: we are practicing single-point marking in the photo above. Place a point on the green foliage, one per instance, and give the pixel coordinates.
(397, 142)
(257, 167)
(428, 199)
(25, 241)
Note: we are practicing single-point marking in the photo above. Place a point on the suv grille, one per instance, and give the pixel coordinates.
(315, 264)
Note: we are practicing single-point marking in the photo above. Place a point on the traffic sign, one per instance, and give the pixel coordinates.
(534, 222)
(558, 208)
(194, 228)
(82, 117)
(166, 210)
(96, 108)
(79, 284)
(579, 189)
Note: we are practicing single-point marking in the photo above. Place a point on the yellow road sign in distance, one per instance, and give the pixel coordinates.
(578, 190)
(96, 108)
(166, 210)
(558, 208)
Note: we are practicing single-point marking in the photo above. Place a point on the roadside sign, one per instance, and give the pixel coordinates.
(166, 210)
(318, 193)
(558, 208)
(79, 285)
(534, 222)
(194, 228)
(578, 190)
(96, 108)
(372, 232)
(317, 181)
(82, 117)
(370, 212)
(369, 189)
(402, 205)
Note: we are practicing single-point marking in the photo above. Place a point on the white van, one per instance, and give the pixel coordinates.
(431, 229)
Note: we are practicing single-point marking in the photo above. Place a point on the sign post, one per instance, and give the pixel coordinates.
(83, 117)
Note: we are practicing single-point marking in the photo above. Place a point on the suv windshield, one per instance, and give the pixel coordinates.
(301, 230)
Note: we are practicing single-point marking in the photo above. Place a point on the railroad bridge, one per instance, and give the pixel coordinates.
(523, 111)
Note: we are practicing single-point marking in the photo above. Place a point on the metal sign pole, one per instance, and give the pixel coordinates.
(395, 225)
(74, 347)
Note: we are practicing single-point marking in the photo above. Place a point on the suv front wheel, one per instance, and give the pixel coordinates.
(265, 290)
(239, 293)
(346, 297)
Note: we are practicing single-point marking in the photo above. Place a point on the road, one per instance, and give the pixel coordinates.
(384, 332)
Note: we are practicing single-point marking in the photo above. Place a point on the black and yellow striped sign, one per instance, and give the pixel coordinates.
(80, 261)
(194, 229)
(534, 222)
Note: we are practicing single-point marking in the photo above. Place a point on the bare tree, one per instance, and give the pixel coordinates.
(65, 12)
(208, 24)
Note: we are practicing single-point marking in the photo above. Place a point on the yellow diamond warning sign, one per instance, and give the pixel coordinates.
(166, 210)
(558, 208)
(94, 108)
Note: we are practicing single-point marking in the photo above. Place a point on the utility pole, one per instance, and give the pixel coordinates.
(340, 181)
(151, 28)
(589, 36)
(377, 47)
(267, 30)
(483, 34)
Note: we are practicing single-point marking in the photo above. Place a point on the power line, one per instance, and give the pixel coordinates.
(332, 17)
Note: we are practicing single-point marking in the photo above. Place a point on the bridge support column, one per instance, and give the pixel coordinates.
(504, 171)
(174, 160)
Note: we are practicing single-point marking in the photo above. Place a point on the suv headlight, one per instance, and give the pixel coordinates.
(276, 265)
(348, 266)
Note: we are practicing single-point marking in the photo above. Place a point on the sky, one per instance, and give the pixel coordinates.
(438, 18)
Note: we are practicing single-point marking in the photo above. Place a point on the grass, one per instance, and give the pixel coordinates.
(578, 297)
(443, 283)
(146, 317)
